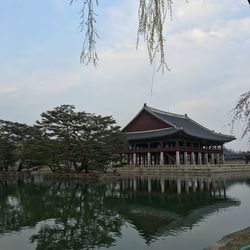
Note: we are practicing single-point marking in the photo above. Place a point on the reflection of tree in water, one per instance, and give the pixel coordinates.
(80, 219)
(68, 215)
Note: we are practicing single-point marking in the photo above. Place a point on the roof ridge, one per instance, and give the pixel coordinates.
(166, 113)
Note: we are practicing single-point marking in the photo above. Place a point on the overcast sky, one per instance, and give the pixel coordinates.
(207, 48)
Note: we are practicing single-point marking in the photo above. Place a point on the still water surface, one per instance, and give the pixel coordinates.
(139, 212)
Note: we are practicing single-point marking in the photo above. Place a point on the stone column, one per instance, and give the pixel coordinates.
(222, 158)
(185, 158)
(161, 158)
(134, 159)
(218, 158)
(149, 158)
(212, 158)
(193, 158)
(199, 159)
(142, 159)
(177, 158)
(206, 158)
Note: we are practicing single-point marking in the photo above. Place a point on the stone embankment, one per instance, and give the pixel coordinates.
(184, 168)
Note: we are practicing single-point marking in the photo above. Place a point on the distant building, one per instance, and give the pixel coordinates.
(232, 157)
(157, 137)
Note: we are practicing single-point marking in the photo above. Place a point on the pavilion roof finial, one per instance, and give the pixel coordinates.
(145, 105)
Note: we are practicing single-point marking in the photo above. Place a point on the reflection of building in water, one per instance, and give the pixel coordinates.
(170, 204)
(161, 138)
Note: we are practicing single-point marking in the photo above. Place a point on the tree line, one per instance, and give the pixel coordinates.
(63, 139)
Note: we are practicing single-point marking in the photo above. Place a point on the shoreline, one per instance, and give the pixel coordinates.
(91, 176)
(236, 240)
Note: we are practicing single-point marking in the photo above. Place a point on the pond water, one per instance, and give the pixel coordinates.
(134, 212)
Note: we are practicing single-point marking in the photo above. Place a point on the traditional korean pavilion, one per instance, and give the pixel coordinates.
(157, 137)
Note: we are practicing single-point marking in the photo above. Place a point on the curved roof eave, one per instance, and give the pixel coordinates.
(220, 138)
(151, 134)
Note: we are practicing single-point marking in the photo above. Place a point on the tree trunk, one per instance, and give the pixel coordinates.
(20, 166)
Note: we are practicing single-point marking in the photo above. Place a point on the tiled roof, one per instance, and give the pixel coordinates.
(151, 134)
(178, 123)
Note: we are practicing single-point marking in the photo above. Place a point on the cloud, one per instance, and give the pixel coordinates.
(7, 90)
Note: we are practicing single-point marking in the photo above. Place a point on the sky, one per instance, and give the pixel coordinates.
(207, 50)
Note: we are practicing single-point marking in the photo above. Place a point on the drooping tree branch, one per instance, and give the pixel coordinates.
(87, 24)
(152, 15)
(241, 112)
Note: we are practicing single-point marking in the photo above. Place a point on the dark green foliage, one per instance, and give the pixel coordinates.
(80, 140)
(20, 145)
(6, 153)
(64, 140)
